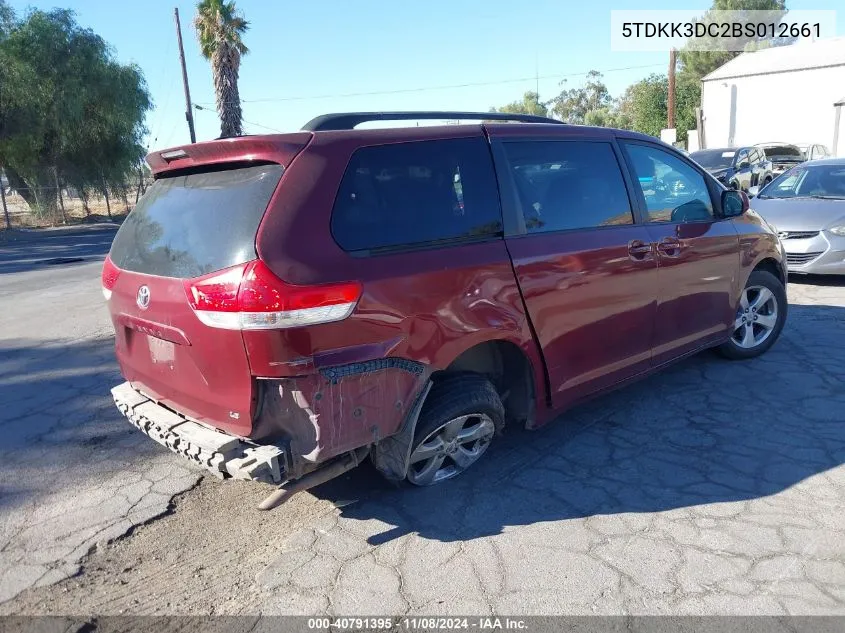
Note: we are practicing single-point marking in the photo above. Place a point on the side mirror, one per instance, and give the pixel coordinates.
(734, 203)
(753, 191)
(743, 164)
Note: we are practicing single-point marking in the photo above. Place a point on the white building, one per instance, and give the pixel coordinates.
(788, 94)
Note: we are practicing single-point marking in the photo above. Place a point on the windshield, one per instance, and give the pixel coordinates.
(803, 181)
(714, 158)
(783, 152)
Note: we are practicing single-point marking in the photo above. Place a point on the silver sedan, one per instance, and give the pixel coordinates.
(807, 206)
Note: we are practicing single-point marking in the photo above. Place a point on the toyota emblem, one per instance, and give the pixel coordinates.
(143, 299)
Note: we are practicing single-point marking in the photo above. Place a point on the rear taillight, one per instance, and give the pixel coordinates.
(109, 277)
(251, 297)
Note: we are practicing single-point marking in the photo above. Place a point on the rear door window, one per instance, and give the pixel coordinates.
(565, 185)
(408, 194)
(190, 225)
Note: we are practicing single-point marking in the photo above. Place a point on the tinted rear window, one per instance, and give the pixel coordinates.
(783, 151)
(415, 193)
(186, 226)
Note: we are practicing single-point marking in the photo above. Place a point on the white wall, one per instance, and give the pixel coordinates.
(839, 150)
(794, 107)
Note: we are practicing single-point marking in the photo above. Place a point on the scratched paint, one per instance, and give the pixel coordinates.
(341, 408)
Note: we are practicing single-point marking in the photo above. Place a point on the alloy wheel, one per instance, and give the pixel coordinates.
(756, 317)
(450, 449)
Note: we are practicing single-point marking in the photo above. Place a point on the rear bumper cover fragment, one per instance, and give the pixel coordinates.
(221, 454)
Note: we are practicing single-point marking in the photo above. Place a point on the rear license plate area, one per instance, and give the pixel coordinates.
(161, 351)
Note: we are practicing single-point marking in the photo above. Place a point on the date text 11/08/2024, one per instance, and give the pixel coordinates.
(416, 624)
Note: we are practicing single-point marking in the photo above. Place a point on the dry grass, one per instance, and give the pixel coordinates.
(22, 216)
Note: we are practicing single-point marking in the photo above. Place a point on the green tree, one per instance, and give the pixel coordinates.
(220, 28)
(7, 18)
(573, 104)
(67, 107)
(530, 104)
(695, 64)
(644, 105)
(609, 116)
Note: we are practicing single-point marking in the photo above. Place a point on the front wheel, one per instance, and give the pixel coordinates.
(760, 317)
(458, 421)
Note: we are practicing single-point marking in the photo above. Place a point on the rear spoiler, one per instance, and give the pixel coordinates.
(281, 149)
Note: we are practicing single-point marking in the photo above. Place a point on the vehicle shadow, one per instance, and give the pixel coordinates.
(58, 421)
(702, 432)
(45, 249)
(817, 280)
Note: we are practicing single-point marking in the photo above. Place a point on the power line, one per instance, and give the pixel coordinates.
(266, 127)
(449, 87)
(272, 129)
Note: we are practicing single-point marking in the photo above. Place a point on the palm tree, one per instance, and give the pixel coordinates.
(219, 29)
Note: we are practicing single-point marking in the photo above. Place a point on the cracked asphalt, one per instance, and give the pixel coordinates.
(70, 475)
(714, 487)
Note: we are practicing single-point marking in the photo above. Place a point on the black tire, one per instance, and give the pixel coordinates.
(451, 397)
(767, 180)
(759, 278)
(734, 186)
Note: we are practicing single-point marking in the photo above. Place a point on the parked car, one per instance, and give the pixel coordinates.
(807, 205)
(814, 151)
(737, 168)
(286, 305)
(783, 156)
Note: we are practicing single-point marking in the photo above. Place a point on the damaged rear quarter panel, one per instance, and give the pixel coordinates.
(339, 408)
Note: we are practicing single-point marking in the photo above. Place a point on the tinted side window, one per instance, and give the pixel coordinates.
(413, 193)
(673, 190)
(568, 185)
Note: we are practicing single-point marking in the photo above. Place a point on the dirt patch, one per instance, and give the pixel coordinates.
(202, 558)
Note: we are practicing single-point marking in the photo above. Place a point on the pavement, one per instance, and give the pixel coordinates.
(714, 487)
(70, 474)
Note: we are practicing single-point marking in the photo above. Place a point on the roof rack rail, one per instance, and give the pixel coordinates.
(348, 120)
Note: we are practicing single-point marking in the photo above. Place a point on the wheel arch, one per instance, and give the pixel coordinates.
(517, 372)
(770, 265)
(516, 376)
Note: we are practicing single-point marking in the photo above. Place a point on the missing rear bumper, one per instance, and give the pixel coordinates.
(221, 454)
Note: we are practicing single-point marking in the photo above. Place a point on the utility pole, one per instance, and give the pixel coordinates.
(670, 107)
(189, 115)
(6, 209)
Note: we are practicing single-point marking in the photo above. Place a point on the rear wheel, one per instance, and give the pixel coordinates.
(459, 419)
(760, 316)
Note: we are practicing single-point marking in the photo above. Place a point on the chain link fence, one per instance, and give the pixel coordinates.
(55, 206)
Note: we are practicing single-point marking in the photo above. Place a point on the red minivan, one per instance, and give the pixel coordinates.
(286, 305)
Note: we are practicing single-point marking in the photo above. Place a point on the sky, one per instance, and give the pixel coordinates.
(311, 57)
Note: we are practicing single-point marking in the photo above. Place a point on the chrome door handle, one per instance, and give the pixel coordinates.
(639, 250)
(670, 246)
